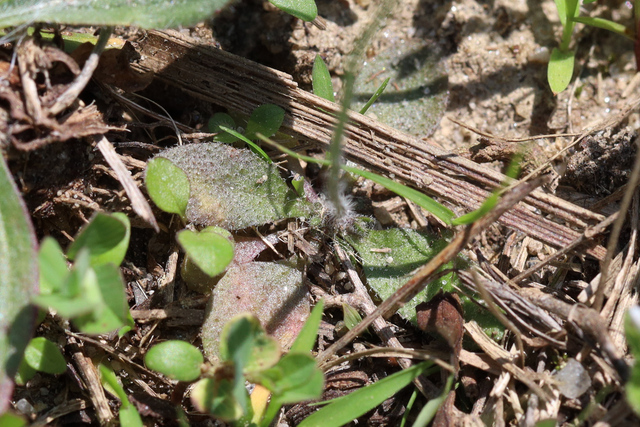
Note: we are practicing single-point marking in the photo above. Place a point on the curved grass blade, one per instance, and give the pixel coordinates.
(375, 95)
(345, 409)
(254, 147)
(415, 196)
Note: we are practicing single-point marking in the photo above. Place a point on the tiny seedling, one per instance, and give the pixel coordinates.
(247, 353)
(91, 293)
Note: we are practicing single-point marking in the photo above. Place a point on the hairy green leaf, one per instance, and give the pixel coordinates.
(139, 13)
(19, 273)
(265, 119)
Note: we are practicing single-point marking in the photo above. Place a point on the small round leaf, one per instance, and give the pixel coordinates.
(222, 119)
(44, 356)
(167, 185)
(210, 249)
(178, 360)
(265, 119)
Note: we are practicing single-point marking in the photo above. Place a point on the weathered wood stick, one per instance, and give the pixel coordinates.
(242, 85)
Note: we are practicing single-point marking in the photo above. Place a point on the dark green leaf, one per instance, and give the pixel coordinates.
(167, 185)
(266, 120)
(19, 270)
(210, 249)
(375, 96)
(222, 119)
(178, 360)
(141, 13)
(346, 409)
(44, 356)
(106, 237)
(321, 80)
(24, 374)
(303, 9)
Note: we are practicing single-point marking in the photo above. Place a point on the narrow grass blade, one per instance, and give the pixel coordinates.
(431, 407)
(375, 95)
(307, 336)
(252, 144)
(345, 409)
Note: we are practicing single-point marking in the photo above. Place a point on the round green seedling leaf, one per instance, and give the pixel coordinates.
(106, 237)
(302, 9)
(265, 119)
(167, 185)
(44, 356)
(210, 249)
(222, 119)
(178, 360)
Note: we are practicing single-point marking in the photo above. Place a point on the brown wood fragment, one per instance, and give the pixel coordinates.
(242, 85)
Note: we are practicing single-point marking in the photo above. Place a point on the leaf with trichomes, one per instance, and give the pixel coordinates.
(233, 188)
(303, 9)
(18, 269)
(274, 292)
(138, 13)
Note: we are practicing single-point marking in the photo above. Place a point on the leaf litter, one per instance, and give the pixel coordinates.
(502, 255)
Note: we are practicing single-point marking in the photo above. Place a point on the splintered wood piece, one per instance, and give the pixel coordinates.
(242, 85)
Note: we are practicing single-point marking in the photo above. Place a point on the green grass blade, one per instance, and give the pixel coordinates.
(252, 144)
(415, 196)
(345, 409)
(307, 336)
(375, 95)
(431, 407)
(605, 24)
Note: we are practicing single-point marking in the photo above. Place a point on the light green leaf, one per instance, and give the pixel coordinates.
(106, 237)
(19, 273)
(303, 9)
(106, 295)
(44, 356)
(110, 381)
(52, 266)
(560, 69)
(215, 396)
(222, 119)
(605, 24)
(351, 316)
(167, 185)
(266, 120)
(12, 420)
(139, 13)
(210, 249)
(234, 189)
(178, 360)
(252, 145)
(431, 407)
(375, 96)
(321, 80)
(295, 378)
(130, 417)
(346, 409)
(307, 337)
